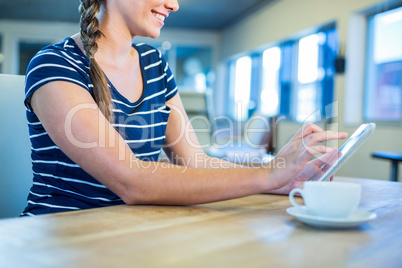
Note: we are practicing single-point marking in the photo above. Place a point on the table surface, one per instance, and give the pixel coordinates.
(254, 231)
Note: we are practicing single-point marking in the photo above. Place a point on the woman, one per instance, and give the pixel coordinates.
(100, 109)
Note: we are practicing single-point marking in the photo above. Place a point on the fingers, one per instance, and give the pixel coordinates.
(323, 136)
(329, 158)
(326, 161)
(312, 134)
(307, 129)
(318, 149)
(320, 165)
(309, 142)
(334, 159)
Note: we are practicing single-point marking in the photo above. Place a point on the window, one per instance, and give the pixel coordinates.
(383, 82)
(308, 76)
(271, 63)
(240, 87)
(313, 91)
(294, 79)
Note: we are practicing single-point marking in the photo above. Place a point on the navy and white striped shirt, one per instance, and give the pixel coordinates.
(58, 183)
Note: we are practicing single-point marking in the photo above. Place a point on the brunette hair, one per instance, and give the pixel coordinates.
(90, 33)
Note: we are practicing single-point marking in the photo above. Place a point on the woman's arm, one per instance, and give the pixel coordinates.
(111, 161)
(71, 118)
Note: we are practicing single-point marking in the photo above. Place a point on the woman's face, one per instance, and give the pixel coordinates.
(143, 17)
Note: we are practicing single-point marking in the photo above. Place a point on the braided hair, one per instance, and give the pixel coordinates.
(90, 34)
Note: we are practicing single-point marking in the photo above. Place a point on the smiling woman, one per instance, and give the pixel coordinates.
(100, 108)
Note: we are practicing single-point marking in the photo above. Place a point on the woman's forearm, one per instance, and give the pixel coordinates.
(164, 183)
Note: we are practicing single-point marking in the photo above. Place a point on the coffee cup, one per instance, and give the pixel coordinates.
(328, 199)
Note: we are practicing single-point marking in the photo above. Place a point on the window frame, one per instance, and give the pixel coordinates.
(287, 78)
(355, 66)
(369, 50)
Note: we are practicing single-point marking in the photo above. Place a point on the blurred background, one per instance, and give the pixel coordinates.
(256, 70)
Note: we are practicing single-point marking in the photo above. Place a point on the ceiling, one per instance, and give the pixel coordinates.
(193, 14)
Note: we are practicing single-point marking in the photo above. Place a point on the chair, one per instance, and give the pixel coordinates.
(16, 168)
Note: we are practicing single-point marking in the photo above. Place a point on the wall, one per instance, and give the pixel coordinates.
(286, 18)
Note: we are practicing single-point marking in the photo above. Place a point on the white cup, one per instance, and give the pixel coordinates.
(328, 199)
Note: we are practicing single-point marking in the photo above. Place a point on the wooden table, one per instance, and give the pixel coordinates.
(248, 232)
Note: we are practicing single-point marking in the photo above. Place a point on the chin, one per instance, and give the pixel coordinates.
(144, 33)
(150, 35)
(154, 35)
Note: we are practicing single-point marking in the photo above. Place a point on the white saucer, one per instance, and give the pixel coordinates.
(357, 218)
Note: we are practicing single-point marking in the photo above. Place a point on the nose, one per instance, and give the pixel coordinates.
(172, 5)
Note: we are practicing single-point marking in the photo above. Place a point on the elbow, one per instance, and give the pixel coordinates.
(145, 197)
(130, 201)
(138, 191)
(130, 198)
(128, 194)
(129, 189)
(135, 197)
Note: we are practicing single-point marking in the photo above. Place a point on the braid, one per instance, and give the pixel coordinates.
(90, 34)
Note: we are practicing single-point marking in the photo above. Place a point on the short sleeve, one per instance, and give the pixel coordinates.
(51, 65)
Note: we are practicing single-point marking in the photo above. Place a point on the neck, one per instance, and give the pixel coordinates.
(115, 45)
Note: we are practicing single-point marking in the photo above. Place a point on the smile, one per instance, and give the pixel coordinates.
(159, 16)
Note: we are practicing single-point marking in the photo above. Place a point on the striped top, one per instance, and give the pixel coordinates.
(58, 183)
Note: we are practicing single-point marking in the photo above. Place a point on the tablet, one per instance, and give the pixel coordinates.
(347, 150)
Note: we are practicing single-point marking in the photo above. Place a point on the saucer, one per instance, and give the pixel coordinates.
(357, 218)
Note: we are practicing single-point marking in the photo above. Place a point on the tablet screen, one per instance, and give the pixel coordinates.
(347, 150)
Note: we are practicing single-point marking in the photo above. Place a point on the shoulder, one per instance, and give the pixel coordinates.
(62, 59)
(58, 62)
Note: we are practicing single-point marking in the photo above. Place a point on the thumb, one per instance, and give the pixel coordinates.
(329, 158)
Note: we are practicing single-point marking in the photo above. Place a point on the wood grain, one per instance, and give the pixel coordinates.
(254, 231)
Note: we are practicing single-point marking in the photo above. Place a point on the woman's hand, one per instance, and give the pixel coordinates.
(312, 169)
(295, 155)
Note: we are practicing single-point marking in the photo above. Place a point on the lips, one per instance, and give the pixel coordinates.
(159, 16)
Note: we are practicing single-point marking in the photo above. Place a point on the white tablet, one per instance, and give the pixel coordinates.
(347, 150)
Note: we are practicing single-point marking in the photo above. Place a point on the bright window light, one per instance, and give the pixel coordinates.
(388, 36)
(242, 87)
(308, 59)
(269, 95)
